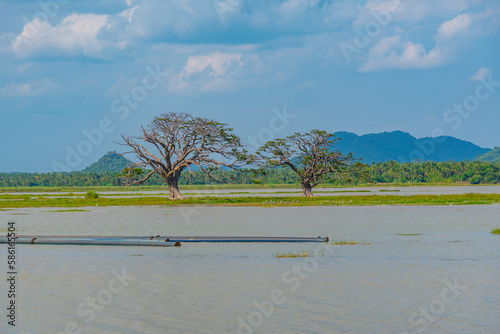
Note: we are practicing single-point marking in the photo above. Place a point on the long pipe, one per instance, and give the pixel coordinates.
(91, 241)
(189, 238)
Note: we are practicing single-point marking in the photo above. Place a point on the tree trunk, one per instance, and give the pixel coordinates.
(307, 189)
(173, 187)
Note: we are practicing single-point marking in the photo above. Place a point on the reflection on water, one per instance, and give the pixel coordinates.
(393, 285)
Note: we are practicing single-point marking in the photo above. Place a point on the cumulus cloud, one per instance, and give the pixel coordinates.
(217, 62)
(212, 72)
(391, 52)
(455, 26)
(35, 88)
(144, 24)
(481, 74)
(177, 21)
(397, 52)
(76, 34)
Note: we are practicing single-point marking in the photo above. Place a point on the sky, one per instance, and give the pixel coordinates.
(75, 75)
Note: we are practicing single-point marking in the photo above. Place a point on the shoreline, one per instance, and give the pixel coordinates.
(26, 201)
(229, 187)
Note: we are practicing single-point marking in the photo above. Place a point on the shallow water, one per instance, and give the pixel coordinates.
(318, 191)
(433, 269)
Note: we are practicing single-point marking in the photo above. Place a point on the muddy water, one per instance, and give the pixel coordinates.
(426, 269)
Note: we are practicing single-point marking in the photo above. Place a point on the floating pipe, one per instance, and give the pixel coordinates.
(91, 241)
(195, 238)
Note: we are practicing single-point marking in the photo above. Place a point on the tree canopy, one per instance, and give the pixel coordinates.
(175, 142)
(311, 155)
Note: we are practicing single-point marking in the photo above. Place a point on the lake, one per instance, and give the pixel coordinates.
(425, 269)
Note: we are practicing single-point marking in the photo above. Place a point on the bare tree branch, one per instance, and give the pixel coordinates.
(180, 141)
(311, 155)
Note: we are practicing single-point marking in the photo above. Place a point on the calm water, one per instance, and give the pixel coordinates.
(445, 279)
(413, 190)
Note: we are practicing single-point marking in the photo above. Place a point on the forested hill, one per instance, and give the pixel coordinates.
(110, 162)
(491, 156)
(402, 147)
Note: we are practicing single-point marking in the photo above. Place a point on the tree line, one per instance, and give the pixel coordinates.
(477, 172)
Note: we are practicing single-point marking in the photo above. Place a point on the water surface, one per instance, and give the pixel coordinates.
(393, 285)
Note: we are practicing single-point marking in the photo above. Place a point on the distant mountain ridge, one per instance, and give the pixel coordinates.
(491, 156)
(110, 162)
(374, 147)
(403, 147)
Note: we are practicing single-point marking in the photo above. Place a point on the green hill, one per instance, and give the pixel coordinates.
(491, 156)
(403, 147)
(110, 162)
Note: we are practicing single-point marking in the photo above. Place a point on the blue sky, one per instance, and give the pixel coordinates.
(76, 75)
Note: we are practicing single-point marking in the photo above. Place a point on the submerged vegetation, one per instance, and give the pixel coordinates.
(68, 210)
(291, 254)
(349, 242)
(495, 231)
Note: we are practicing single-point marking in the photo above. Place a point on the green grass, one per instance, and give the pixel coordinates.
(495, 231)
(91, 194)
(23, 201)
(349, 242)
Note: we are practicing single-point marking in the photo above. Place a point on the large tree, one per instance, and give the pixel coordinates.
(311, 155)
(174, 142)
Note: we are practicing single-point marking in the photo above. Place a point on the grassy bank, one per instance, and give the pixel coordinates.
(23, 201)
(187, 188)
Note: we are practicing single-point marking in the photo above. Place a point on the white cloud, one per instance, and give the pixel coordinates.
(35, 88)
(76, 34)
(208, 73)
(218, 62)
(481, 74)
(455, 26)
(391, 52)
(396, 53)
